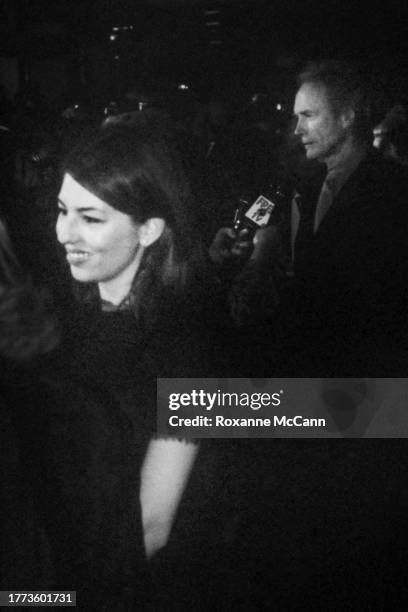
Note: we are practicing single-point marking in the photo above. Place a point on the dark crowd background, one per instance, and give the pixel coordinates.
(223, 73)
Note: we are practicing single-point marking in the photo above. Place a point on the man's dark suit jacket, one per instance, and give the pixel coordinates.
(345, 314)
(325, 516)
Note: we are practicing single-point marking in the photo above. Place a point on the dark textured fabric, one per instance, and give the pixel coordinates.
(325, 526)
(92, 509)
(324, 521)
(348, 301)
(106, 369)
(304, 234)
(93, 448)
(25, 552)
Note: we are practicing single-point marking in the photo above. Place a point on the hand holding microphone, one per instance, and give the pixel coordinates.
(236, 243)
(230, 244)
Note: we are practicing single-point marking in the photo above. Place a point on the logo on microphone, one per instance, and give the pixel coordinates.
(260, 211)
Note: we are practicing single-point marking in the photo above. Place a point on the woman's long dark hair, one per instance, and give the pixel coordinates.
(136, 169)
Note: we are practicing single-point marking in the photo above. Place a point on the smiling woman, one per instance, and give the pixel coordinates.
(126, 223)
(102, 244)
(126, 207)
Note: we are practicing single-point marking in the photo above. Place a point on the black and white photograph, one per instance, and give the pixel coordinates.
(202, 201)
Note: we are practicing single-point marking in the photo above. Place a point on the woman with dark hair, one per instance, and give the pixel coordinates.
(126, 222)
(135, 173)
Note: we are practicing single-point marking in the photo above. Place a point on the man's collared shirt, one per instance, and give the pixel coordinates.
(336, 178)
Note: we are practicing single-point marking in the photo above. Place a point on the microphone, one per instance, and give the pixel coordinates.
(261, 212)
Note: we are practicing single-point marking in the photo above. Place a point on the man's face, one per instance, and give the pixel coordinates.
(323, 133)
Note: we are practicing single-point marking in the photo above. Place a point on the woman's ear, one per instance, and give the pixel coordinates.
(151, 230)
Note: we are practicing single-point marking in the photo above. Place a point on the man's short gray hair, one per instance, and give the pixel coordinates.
(347, 87)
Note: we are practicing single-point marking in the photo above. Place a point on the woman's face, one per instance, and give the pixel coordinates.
(101, 243)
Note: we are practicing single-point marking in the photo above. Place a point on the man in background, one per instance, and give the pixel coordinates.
(324, 517)
(345, 312)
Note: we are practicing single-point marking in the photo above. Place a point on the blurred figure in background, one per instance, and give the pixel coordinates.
(27, 331)
(391, 135)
